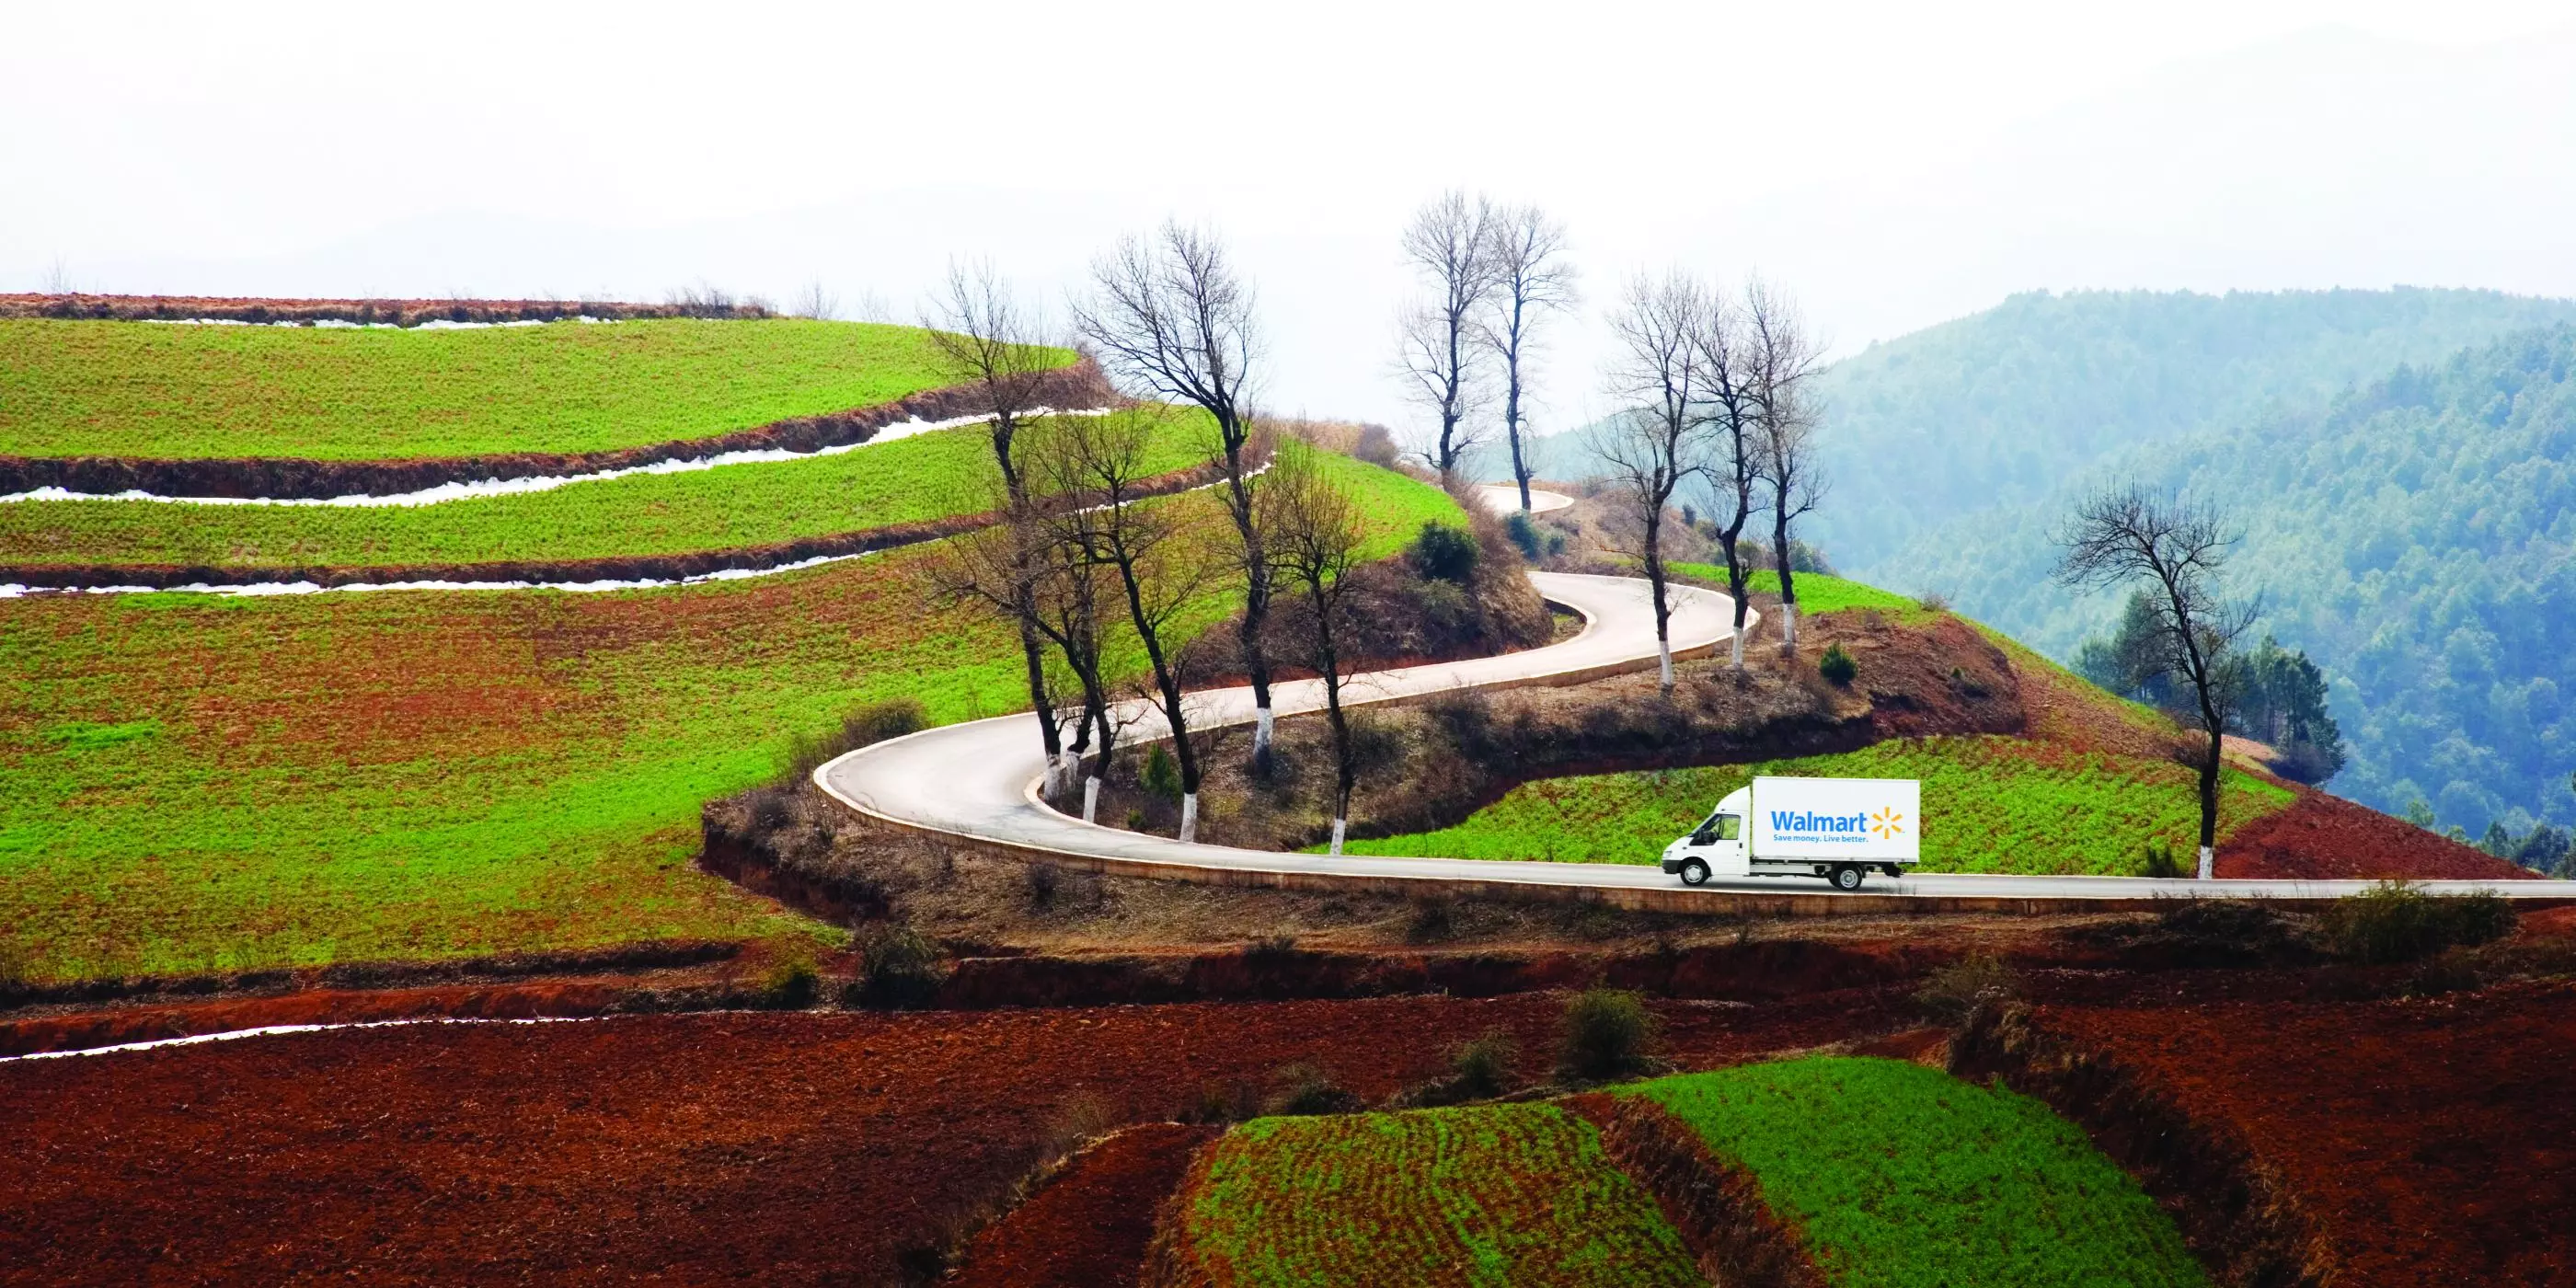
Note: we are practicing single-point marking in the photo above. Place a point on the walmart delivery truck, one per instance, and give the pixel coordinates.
(1835, 828)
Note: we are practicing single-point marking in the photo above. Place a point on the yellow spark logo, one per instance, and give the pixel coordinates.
(1887, 823)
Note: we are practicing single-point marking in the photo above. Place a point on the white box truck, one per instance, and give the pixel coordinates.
(1835, 828)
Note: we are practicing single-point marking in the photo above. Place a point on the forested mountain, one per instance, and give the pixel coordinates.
(1998, 408)
(2416, 537)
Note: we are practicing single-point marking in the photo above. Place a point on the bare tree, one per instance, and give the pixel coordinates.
(986, 338)
(2126, 533)
(1725, 346)
(1653, 445)
(817, 302)
(1779, 358)
(1170, 316)
(1531, 279)
(1451, 242)
(1100, 465)
(1316, 539)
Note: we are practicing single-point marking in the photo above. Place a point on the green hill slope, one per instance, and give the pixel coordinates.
(158, 391)
(2417, 539)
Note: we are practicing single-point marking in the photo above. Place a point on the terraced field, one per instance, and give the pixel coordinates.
(1901, 1176)
(1500, 1194)
(192, 782)
(908, 480)
(151, 390)
(1817, 592)
(1990, 804)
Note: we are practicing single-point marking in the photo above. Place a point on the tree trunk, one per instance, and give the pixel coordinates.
(1655, 586)
(1189, 817)
(1339, 823)
(1091, 799)
(1256, 597)
(2209, 806)
(1788, 585)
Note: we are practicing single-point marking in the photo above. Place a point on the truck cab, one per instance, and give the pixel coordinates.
(1716, 846)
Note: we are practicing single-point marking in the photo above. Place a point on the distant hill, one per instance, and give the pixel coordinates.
(2417, 536)
(1996, 409)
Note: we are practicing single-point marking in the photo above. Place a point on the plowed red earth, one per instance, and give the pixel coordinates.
(2322, 837)
(1091, 1225)
(785, 1148)
(2433, 1141)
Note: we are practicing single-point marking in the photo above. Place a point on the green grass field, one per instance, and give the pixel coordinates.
(195, 782)
(930, 476)
(1488, 1195)
(1990, 804)
(1817, 592)
(1904, 1177)
(176, 392)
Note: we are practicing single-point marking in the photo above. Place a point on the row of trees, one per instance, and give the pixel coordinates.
(1080, 556)
(1493, 274)
(1716, 387)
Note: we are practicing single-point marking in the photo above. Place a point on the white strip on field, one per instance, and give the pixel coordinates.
(343, 324)
(272, 1029)
(547, 482)
(15, 590)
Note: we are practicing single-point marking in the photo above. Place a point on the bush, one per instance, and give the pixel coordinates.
(1302, 1089)
(2159, 862)
(1954, 992)
(2395, 921)
(1523, 533)
(1162, 776)
(1044, 881)
(898, 968)
(1444, 553)
(1606, 1034)
(863, 727)
(1433, 921)
(1837, 665)
(792, 980)
(1482, 1069)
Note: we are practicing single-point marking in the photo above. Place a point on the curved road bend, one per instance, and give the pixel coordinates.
(978, 781)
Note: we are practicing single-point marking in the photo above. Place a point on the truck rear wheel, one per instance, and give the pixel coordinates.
(1846, 876)
(1694, 872)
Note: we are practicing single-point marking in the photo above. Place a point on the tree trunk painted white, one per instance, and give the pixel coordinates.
(1735, 649)
(1189, 818)
(1664, 661)
(1261, 727)
(1788, 628)
(1338, 825)
(2208, 863)
(1091, 798)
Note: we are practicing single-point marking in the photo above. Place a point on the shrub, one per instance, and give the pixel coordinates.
(1606, 1034)
(1482, 1069)
(1271, 950)
(792, 980)
(1300, 1090)
(1444, 553)
(1523, 533)
(2159, 861)
(1432, 922)
(2395, 921)
(863, 727)
(1837, 665)
(1043, 883)
(1162, 776)
(898, 968)
(1954, 992)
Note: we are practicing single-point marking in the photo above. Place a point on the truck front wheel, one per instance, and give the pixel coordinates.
(1694, 872)
(1846, 877)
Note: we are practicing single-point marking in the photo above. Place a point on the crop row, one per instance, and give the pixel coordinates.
(1497, 1194)
(148, 390)
(1899, 1176)
(907, 480)
(194, 782)
(1990, 804)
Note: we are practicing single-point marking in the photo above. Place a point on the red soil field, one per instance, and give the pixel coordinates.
(792, 1148)
(2324, 837)
(1091, 1224)
(2433, 1141)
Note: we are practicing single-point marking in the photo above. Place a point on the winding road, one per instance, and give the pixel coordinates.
(977, 782)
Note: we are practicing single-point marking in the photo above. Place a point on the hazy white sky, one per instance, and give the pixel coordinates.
(1893, 164)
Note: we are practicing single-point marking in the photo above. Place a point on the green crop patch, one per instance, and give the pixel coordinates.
(420, 775)
(77, 736)
(1901, 1176)
(174, 392)
(908, 480)
(1990, 804)
(1817, 592)
(1497, 1194)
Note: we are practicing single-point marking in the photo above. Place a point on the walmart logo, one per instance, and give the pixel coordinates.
(1887, 824)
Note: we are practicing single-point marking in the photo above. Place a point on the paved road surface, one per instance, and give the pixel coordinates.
(978, 780)
(1503, 498)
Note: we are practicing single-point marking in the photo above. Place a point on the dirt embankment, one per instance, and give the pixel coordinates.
(2325, 837)
(611, 568)
(1715, 1205)
(283, 477)
(1091, 1224)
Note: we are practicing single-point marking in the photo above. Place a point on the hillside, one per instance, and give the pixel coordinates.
(2413, 537)
(1995, 409)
